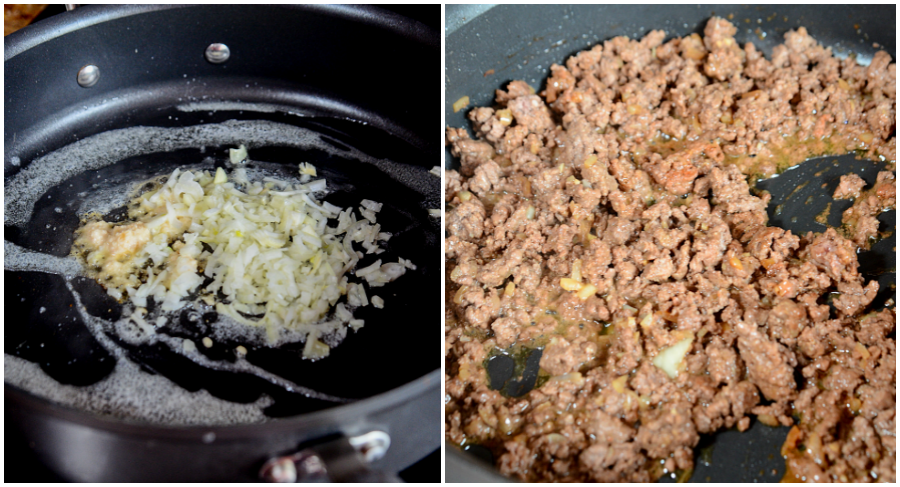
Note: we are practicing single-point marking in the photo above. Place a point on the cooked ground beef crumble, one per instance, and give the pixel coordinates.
(609, 222)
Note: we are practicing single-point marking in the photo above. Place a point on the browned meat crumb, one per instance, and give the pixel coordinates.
(608, 220)
(860, 222)
(849, 187)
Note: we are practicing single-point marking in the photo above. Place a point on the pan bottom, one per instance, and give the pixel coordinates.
(73, 337)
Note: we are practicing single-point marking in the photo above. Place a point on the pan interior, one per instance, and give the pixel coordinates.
(487, 47)
(65, 323)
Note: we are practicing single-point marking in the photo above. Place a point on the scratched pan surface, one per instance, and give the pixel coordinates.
(521, 42)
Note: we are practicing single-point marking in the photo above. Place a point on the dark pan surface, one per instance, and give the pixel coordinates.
(368, 362)
(488, 47)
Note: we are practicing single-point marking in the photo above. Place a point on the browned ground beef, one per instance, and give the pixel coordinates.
(859, 223)
(628, 173)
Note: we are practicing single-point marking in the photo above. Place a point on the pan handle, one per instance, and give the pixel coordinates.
(341, 460)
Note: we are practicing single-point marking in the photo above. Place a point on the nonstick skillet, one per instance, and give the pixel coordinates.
(342, 73)
(487, 46)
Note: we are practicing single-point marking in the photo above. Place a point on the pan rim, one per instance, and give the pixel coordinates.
(338, 414)
(60, 25)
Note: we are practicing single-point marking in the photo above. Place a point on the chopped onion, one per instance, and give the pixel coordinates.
(669, 359)
(238, 155)
(272, 253)
(307, 168)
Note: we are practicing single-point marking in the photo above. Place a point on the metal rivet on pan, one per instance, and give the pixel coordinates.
(372, 445)
(88, 76)
(280, 470)
(217, 53)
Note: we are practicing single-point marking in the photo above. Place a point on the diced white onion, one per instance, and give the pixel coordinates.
(669, 359)
(270, 243)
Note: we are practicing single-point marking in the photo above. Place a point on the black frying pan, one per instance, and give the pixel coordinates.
(488, 46)
(342, 72)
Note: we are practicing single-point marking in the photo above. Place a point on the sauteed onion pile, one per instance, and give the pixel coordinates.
(266, 254)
